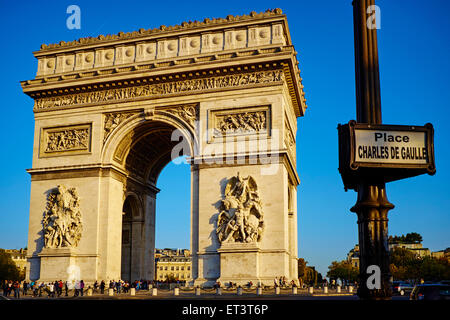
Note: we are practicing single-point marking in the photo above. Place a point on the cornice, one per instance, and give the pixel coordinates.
(162, 66)
(228, 63)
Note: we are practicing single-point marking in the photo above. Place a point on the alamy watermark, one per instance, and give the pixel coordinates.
(74, 20)
(222, 149)
(374, 280)
(374, 17)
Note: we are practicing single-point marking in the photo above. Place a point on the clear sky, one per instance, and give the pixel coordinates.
(414, 67)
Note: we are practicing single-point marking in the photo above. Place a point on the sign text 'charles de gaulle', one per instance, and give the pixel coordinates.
(369, 152)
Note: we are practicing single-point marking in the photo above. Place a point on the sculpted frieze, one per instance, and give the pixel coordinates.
(171, 87)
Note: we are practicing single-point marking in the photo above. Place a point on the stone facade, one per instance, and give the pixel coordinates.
(111, 112)
(173, 264)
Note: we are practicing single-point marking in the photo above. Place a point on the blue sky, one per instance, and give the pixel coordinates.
(414, 68)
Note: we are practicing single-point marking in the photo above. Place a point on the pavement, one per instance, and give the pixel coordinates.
(206, 294)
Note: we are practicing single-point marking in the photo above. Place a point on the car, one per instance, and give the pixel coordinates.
(430, 291)
(401, 287)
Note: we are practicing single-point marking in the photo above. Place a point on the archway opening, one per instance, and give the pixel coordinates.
(173, 222)
(150, 150)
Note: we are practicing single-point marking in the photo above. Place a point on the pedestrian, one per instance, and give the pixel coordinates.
(102, 287)
(16, 287)
(118, 286)
(51, 290)
(41, 287)
(66, 287)
(24, 288)
(81, 287)
(95, 286)
(77, 289)
(9, 288)
(5, 287)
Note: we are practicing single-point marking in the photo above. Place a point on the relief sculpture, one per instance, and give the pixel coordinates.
(66, 140)
(246, 122)
(241, 217)
(62, 225)
(112, 120)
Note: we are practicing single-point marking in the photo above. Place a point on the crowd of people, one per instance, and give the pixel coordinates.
(60, 288)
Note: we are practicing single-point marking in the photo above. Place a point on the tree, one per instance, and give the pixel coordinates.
(301, 267)
(307, 274)
(412, 237)
(170, 278)
(343, 270)
(8, 269)
(405, 265)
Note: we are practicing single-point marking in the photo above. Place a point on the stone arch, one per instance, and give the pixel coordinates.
(141, 118)
(140, 146)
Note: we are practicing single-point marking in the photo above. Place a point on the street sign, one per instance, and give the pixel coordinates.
(384, 153)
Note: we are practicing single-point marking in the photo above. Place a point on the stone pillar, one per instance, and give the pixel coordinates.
(132, 291)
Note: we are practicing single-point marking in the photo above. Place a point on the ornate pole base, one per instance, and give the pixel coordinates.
(372, 208)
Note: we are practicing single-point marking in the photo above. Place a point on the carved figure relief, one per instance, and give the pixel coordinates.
(241, 216)
(245, 122)
(74, 139)
(62, 224)
(188, 113)
(112, 120)
(65, 140)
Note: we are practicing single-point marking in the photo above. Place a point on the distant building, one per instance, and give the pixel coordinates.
(353, 256)
(442, 254)
(416, 248)
(19, 257)
(173, 264)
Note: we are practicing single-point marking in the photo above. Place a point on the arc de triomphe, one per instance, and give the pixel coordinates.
(112, 111)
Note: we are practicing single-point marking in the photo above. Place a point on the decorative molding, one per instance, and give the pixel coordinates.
(65, 140)
(189, 113)
(62, 226)
(289, 136)
(163, 88)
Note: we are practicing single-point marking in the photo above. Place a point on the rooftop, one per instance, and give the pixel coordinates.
(162, 30)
